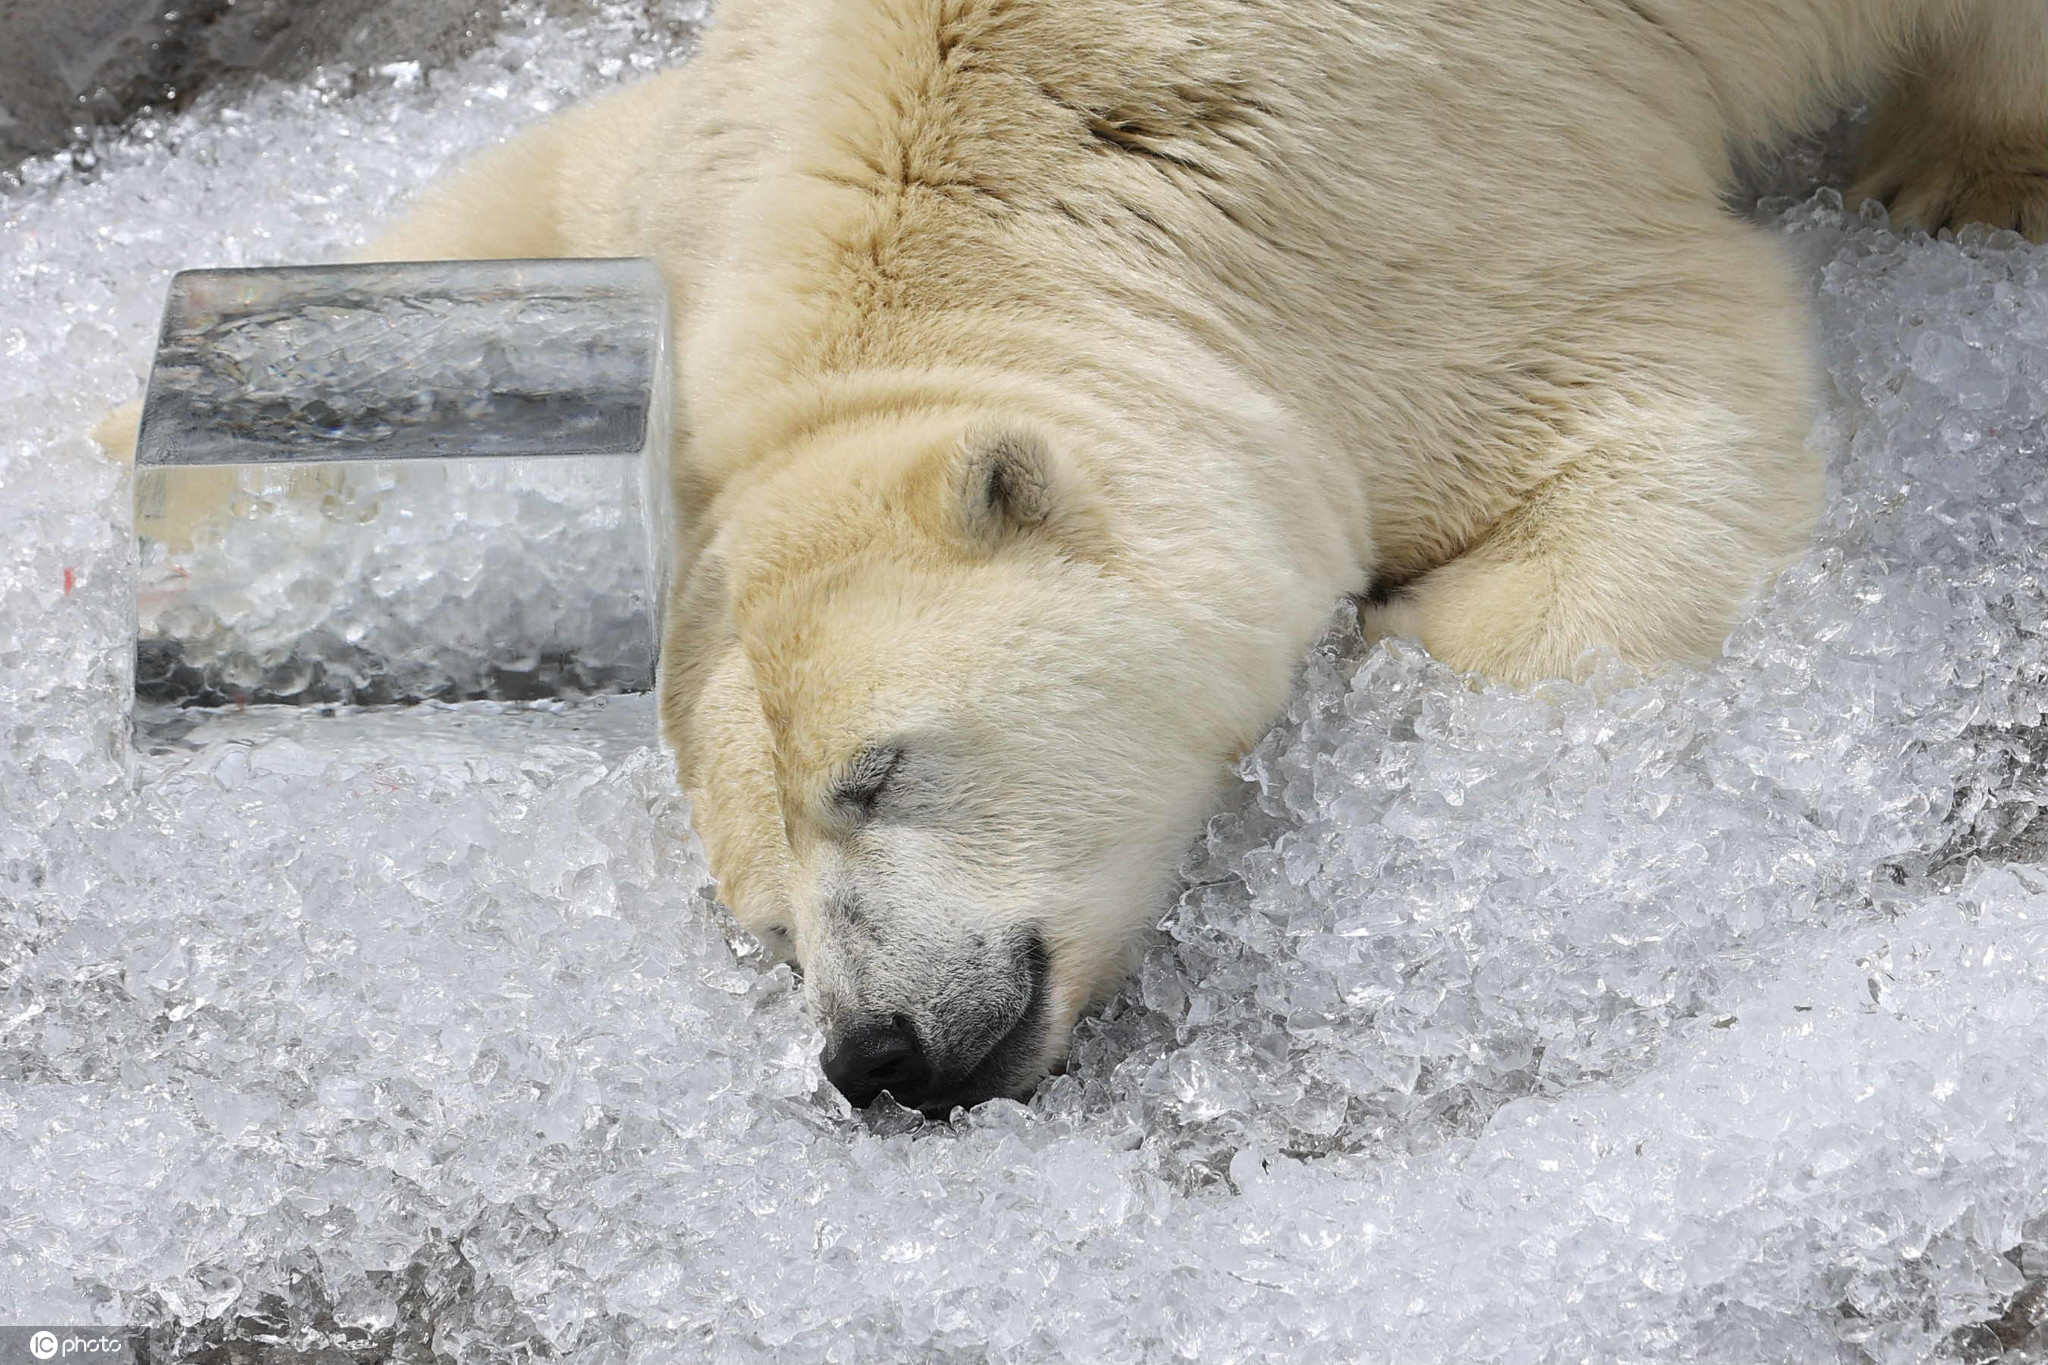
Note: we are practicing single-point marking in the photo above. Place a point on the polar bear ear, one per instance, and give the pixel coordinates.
(1008, 481)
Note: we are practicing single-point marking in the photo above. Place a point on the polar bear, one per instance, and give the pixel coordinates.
(1048, 369)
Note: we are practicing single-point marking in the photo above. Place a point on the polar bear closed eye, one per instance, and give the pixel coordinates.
(1049, 367)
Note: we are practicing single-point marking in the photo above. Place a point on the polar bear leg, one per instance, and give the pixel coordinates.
(1962, 134)
(1602, 559)
(1676, 490)
(549, 191)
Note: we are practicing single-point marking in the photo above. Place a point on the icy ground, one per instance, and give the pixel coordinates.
(1699, 1019)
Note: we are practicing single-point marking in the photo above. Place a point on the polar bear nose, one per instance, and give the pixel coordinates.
(871, 1057)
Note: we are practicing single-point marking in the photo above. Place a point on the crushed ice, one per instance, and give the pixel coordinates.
(1698, 1018)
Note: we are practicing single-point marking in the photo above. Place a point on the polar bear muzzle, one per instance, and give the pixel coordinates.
(947, 1058)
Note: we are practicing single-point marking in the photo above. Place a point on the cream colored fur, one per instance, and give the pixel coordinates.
(1264, 302)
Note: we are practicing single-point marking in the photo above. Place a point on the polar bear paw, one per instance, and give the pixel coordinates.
(116, 432)
(1932, 174)
(1934, 166)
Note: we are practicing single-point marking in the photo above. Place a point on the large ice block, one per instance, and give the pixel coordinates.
(389, 482)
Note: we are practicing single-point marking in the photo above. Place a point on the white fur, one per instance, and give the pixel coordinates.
(1290, 298)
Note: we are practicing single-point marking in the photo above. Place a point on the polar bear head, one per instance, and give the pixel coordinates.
(944, 743)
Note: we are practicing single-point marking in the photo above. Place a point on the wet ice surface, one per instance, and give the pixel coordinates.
(1696, 1019)
(409, 360)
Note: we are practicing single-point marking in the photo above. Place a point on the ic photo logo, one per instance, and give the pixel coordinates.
(45, 1344)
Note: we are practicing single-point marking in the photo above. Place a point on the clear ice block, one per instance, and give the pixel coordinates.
(393, 482)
